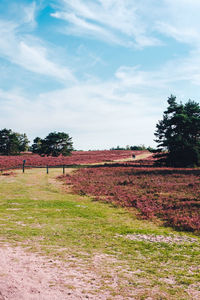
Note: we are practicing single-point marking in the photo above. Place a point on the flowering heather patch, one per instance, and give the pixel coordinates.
(77, 157)
(169, 194)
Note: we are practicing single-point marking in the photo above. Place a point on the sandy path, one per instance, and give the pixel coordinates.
(28, 276)
(138, 157)
(31, 276)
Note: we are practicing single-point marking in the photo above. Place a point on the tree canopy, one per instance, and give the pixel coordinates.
(54, 144)
(178, 133)
(12, 143)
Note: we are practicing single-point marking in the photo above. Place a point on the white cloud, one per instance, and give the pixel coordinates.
(115, 21)
(98, 114)
(21, 13)
(81, 26)
(131, 22)
(179, 19)
(183, 71)
(95, 114)
(29, 13)
(35, 59)
(28, 53)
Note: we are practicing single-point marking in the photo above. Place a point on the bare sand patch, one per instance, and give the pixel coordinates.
(28, 276)
(160, 238)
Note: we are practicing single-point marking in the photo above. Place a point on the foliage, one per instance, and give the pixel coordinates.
(12, 143)
(179, 133)
(151, 149)
(55, 144)
(134, 148)
(166, 193)
(118, 148)
(77, 157)
(37, 145)
(38, 215)
(138, 148)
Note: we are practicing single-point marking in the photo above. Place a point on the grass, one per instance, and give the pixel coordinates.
(36, 211)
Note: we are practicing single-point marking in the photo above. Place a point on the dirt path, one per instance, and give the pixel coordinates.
(137, 157)
(25, 275)
(60, 275)
(28, 276)
(143, 156)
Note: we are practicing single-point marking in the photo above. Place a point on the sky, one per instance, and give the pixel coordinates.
(99, 70)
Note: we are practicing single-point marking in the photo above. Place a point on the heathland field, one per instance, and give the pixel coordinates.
(119, 231)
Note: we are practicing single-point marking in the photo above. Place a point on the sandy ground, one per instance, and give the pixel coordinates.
(28, 276)
(137, 157)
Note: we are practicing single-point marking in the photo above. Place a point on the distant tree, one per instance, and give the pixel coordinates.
(178, 133)
(23, 142)
(118, 148)
(151, 149)
(133, 148)
(12, 143)
(54, 144)
(138, 148)
(57, 143)
(37, 146)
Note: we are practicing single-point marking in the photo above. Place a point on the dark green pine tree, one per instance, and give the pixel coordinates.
(55, 144)
(178, 133)
(12, 143)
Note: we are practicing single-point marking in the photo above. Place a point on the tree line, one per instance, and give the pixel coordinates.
(177, 136)
(135, 148)
(54, 144)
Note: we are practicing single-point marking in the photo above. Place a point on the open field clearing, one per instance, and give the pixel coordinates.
(59, 245)
(77, 157)
(172, 195)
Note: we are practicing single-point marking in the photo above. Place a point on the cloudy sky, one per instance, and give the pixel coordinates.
(100, 70)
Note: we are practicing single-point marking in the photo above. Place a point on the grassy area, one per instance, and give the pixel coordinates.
(36, 211)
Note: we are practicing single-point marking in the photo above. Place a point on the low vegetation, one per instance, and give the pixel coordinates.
(171, 195)
(144, 258)
(77, 157)
(141, 222)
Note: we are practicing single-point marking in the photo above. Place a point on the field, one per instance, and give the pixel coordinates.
(77, 157)
(172, 195)
(105, 229)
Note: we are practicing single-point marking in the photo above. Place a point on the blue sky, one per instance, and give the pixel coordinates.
(100, 70)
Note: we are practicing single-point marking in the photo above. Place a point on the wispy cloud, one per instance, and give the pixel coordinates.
(80, 26)
(99, 114)
(180, 70)
(29, 13)
(179, 19)
(131, 22)
(22, 48)
(114, 21)
(22, 13)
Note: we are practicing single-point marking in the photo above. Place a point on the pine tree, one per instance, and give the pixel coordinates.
(178, 133)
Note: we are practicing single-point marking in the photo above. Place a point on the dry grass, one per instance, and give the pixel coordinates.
(36, 211)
